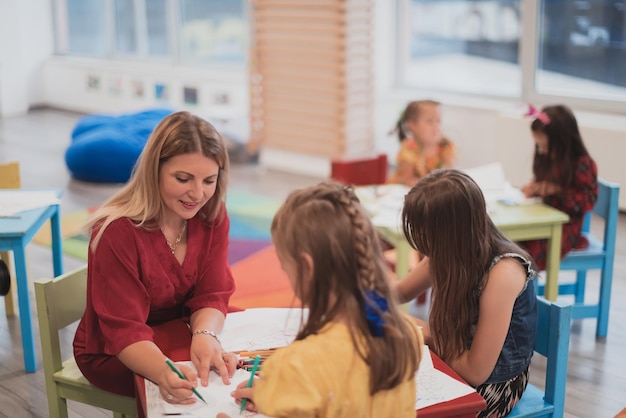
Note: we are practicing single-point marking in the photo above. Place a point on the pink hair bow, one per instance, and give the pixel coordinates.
(533, 112)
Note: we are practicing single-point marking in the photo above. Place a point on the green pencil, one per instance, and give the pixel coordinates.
(249, 385)
(182, 376)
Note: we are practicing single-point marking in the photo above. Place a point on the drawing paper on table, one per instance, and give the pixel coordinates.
(388, 218)
(13, 202)
(383, 204)
(216, 394)
(434, 386)
(494, 185)
(261, 328)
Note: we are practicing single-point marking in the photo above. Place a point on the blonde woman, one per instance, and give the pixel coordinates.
(158, 260)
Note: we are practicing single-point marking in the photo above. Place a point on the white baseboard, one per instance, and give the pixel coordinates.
(293, 162)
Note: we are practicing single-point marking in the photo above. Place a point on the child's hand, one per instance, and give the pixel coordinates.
(549, 189)
(243, 391)
(531, 189)
(540, 189)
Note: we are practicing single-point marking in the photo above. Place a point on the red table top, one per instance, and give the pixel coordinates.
(465, 406)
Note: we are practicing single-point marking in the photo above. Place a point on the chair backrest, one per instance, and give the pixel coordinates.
(607, 208)
(10, 175)
(552, 341)
(360, 172)
(9, 179)
(60, 302)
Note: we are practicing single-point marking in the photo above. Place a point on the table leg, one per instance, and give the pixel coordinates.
(553, 262)
(57, 243)
(9, 306)
(403, 252)
(21, 278)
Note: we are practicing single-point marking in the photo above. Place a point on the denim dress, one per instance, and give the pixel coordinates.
(520, 338)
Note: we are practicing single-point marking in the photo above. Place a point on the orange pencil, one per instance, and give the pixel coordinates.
(255, 353)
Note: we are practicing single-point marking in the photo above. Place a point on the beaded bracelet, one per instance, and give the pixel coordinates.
(206, 332)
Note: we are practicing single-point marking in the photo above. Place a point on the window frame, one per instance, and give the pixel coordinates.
(173, 24)
(528, 58)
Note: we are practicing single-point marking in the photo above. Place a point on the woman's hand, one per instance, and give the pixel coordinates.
(244, 392)
(175, 389)
(207, 353)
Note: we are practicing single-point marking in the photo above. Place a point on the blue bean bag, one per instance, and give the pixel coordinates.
(105, 148)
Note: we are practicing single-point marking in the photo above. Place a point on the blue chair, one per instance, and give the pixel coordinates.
(599, 255)
(552, 342)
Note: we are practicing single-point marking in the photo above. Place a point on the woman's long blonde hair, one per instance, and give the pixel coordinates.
(140, 199)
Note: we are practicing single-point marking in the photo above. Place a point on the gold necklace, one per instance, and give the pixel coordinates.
(178, 238)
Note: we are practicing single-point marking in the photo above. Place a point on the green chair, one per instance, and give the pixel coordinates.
(61, 302)
(9, 179)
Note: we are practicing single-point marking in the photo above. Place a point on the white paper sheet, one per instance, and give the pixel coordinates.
(261, 328)
(494, 185)
(384, 204)
(15, 201)
(434, 386)
(216, 394)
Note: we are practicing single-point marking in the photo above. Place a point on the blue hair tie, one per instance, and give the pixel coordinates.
(375, 305)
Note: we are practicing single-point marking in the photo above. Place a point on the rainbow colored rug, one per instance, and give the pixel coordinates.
(250, 219)
(259, 279)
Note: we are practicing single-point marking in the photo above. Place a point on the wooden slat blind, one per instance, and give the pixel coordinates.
(311, 76)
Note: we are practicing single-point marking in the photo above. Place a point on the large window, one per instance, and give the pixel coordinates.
(213, 30)
(81, 27)
(462, 45)
(534, 50)
(582, 49)
(178, 30)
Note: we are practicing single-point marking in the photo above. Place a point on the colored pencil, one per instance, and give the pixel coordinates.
(257, 360)
(253, 354)
(182, 376)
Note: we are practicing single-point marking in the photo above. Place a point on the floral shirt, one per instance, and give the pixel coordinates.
(576, 200)
(411, 152)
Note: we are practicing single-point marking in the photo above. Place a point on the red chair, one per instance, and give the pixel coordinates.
(360, 172)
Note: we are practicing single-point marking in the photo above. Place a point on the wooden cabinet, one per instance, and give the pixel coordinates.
(311, 80)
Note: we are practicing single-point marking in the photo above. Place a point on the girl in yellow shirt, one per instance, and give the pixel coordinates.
(356, 354)
(422, 146)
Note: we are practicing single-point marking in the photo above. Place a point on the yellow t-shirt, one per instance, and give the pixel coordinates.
(410, 152)
(323, 376)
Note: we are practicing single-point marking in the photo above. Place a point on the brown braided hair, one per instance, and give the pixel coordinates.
(327, 223)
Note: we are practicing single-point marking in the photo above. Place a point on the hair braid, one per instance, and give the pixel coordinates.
(362, 240)
(340, 275)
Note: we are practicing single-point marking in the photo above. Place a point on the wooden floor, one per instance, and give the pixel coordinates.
(596, 380)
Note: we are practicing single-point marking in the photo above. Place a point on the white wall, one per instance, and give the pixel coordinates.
(484, 130)
(25, 42)
(66, 85)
